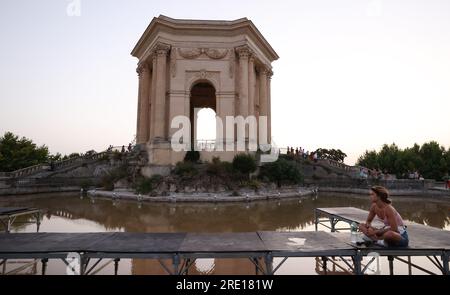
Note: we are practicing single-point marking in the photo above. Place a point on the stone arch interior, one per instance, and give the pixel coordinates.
(203, 95)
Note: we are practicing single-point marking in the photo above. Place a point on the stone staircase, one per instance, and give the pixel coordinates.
(47, 169)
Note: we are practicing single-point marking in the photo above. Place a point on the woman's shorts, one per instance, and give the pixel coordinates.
(403, 242)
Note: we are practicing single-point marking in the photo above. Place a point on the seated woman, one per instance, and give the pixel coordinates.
(393, 233)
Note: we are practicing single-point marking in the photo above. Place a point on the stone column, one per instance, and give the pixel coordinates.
(244, 53)
(269, 106)
(263, 101)
(144, 104)
(151, 122)
(145, 110)
(252, 85)
(139, 137)
(160, 119)
(263, 104)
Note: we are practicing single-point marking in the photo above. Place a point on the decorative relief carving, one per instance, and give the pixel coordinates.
(192, 53)
(203, 74)
(232, 62)
(216, 53)
(173, 63)
(213, 77)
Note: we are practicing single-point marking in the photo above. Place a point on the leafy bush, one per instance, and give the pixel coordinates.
(145, 185)
(185, 169)
(219, 168)
(235, 194)
(192, 156)
(244, 163)
(286, 157)
(282, 171)
(252, 183)
(107, 183)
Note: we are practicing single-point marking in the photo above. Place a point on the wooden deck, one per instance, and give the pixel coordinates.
(259, 247)
(182, 248)
(9, 215)
(424, 240)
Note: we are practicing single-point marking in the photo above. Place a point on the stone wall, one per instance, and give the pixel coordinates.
(399, 184)
(46, 185)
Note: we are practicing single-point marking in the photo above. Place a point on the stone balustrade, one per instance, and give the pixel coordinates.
(56, 165)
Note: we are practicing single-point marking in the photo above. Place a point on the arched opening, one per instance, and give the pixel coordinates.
(202, 116)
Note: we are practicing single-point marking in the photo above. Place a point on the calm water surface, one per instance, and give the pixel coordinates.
(73, 213)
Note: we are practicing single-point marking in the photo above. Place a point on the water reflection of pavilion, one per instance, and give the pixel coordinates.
(269, 215)
(294, 214)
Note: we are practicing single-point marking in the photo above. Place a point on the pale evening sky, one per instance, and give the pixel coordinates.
(352, 74)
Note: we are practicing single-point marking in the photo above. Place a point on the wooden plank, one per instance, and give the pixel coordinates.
(302, 242)
(350, 214)
(222, 242)
(421, 237)
(139, 243)
(427, 237)
(49, 242)
(13, 210)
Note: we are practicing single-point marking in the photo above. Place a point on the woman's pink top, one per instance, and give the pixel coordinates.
(398, 219)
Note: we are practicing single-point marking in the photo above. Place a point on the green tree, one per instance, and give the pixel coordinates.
(387, 158)
(18, 153)
(431, 160)
(434, 164)
(369, 160)
(56, 157)
(447, 159)
(409, 160)
(332, 154)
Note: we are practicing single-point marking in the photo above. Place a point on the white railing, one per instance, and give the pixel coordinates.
(205, 145)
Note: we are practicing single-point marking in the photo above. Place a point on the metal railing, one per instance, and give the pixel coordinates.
(205, 145)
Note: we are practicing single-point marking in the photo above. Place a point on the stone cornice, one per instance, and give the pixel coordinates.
(203, 27)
